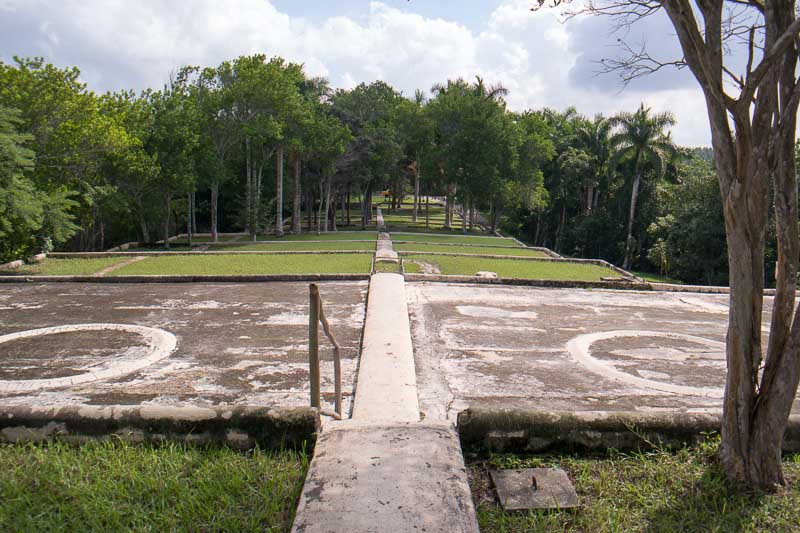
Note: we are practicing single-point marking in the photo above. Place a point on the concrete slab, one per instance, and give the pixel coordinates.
(387, 386)
(520, 489)
(385, 250)
(240, 344)
(396, 477)
(567, 349)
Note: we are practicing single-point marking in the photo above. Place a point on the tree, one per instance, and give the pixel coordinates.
(753, 118)
(640, 138)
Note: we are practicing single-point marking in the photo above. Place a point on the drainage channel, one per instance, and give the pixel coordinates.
(384, 469)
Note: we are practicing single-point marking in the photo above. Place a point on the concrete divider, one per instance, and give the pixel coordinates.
(185, 279)
(239, 426)
(556, 283)
(519, 431)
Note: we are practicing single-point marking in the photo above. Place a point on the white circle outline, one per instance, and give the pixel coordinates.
(160, 344)
(580, 346)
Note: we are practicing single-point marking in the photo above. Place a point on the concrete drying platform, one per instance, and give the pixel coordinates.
(528, 348)
(397, 477)
(170, 344)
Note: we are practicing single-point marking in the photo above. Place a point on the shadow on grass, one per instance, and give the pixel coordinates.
(713, 504)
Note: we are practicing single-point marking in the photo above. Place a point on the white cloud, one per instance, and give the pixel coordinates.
(121, 44)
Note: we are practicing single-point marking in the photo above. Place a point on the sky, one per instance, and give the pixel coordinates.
(411, 44)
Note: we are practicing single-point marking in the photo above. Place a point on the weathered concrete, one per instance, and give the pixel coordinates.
(528, 348)
(395, 477)
(255, 278)
(530, 431)
(385, 249)
(387, 388)
(240, 344)
(242, 427)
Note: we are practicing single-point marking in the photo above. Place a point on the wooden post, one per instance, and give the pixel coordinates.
(313, 343)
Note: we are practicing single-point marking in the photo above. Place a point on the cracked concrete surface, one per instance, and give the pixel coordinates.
(567, 349)
(236, 343)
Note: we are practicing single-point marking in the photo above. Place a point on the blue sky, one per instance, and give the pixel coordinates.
(119, 44)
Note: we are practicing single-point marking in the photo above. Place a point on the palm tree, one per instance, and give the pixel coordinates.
(641, 139)
(594, 137)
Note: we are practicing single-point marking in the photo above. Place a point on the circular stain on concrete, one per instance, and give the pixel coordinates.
(669, 362)
(63, 356)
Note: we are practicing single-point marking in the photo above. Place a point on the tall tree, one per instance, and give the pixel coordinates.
(640, 138)
(753, 120)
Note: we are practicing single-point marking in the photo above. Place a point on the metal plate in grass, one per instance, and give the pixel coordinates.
(534, 488)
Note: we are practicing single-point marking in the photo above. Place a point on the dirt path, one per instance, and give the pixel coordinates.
(112, 268)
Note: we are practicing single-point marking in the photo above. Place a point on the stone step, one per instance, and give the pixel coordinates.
(369, 477)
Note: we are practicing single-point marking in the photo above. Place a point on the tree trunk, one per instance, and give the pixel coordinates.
(416, 190)
(349, 196)
(214, 201)
(249, 187)
(189, 219)
(279, 192)
(296, 211)
(626, 264)
(143, 222)
(427, 211)
(309, 209)
(168, 205)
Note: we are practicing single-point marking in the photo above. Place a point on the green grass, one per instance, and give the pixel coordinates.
(456, 249)
(297, 246)
(387, 266)
(656, 278)
(66, 267)
(233, 264)
(657, 491)
(330, 236)
(511, 268)
(456, 238)
(113, 486)
(204, 239)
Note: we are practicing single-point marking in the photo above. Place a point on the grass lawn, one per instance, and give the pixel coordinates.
(329, 236)
(456, 238)
(657, 491)
(204, 239)
(65, 267)
(456, 249)
(300, 246)
(198, 265)
(114, 486)
(387, 266)
(656, 278)
(511, 268)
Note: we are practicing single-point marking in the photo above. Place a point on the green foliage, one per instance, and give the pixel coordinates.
(115, 486)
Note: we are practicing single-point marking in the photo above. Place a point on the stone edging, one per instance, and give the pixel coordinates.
(239, 426)
(521, 431)
(597, 262)
(90, 255)
(561, 284)
(186, 278)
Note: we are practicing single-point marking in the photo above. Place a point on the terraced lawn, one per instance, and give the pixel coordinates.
(66, 267)
(456, 238)
(509, 268)
(218, 265)
(460, 249)
(294, 246)
(114, 486)
(329, 236)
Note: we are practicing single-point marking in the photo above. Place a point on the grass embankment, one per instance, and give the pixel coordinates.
(220, 265)
(480, 250)
(65, 267)
(297, 246)
(509, 268)
(657, 491)
(456, 238)
(113, 486)
(329, 236)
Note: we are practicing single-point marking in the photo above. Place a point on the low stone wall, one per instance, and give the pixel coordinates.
(185, 279)
(88, 255)
(241, 427)
(518, 431)
(560, 284)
